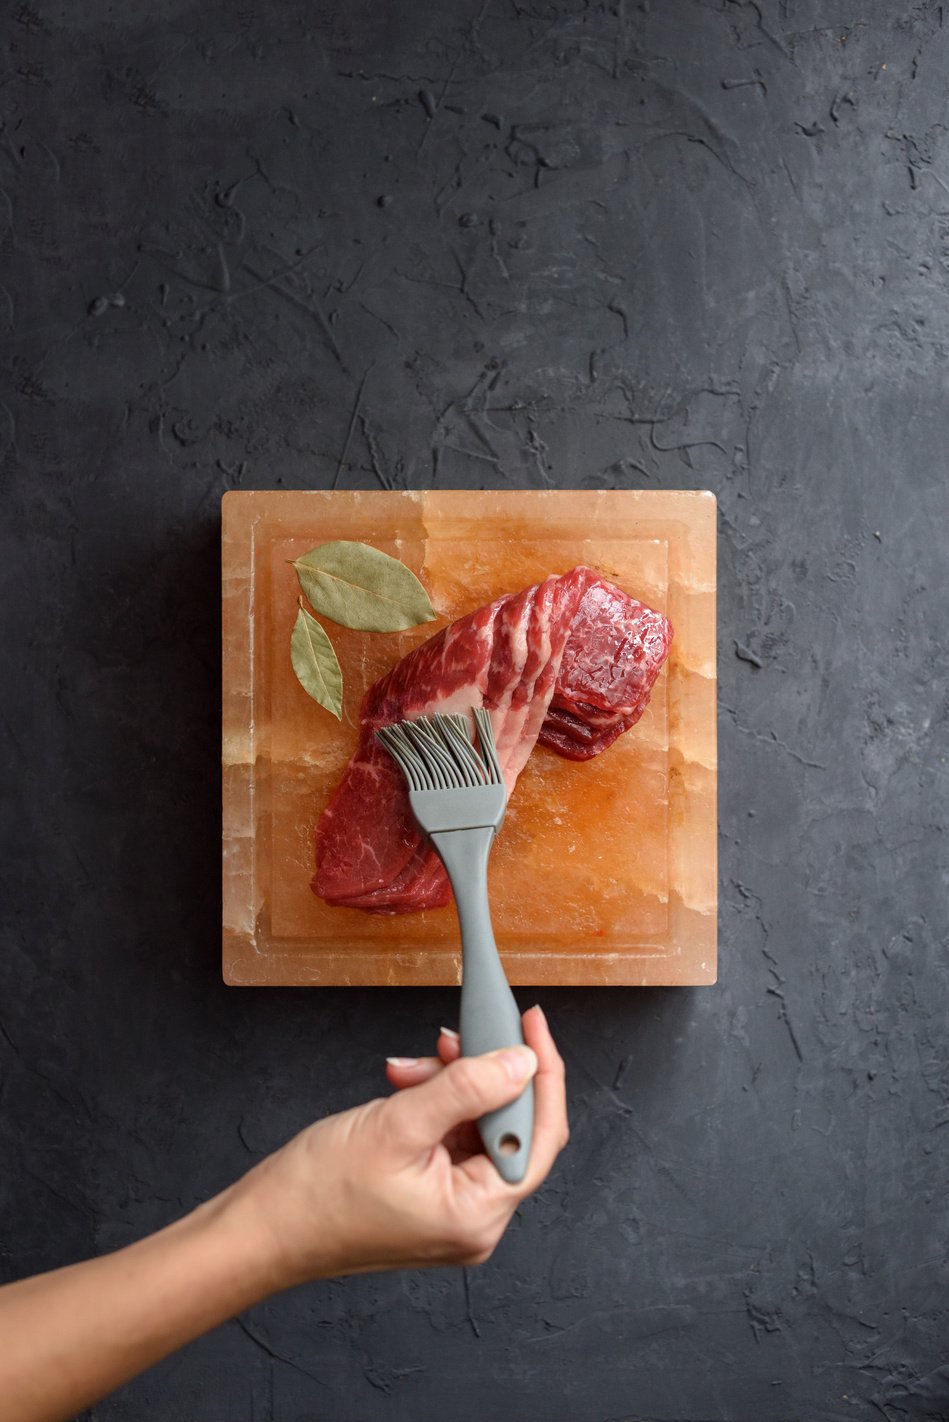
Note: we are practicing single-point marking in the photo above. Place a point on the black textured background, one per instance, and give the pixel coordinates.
(492, 242)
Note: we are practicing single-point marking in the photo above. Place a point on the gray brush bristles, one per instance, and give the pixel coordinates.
(436, 752)
(488, 745)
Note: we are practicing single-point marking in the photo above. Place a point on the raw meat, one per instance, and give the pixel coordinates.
(610, 663)
(570, 662)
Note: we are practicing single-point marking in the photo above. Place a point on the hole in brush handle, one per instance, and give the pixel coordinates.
(509, 1144)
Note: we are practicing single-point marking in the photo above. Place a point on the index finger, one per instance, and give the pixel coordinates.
(551, 1130)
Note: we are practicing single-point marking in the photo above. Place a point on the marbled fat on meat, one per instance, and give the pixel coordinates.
(570, 662)
(610, 664)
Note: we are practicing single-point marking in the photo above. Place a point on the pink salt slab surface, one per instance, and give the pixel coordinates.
(604, 873)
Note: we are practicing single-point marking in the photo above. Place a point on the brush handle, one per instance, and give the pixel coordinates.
(490, 1017)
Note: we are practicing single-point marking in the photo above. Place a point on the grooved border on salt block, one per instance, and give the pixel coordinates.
(684, 952)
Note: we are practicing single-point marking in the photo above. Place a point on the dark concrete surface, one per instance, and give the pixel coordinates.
(474, 243)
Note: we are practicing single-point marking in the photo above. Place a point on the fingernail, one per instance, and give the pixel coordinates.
(402, 1061)
(520, 1062)
(448, 1032)
(537, 1008)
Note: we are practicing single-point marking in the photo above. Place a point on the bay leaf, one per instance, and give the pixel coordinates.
(359, 586)
(315, 663)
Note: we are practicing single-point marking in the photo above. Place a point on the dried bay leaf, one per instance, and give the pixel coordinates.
(315, 663)
(358, 586)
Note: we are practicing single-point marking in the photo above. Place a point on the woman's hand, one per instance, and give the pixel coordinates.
(402, 1182)
(397, 1182)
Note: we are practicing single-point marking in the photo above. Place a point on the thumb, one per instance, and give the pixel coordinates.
(465, 1090)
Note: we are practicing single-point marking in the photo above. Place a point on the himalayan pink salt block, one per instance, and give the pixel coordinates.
(605, 871)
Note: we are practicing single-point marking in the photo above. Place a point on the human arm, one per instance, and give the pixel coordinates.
(398, 1182)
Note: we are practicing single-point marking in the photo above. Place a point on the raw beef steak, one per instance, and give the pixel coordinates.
(610, 663)
(570, 661)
